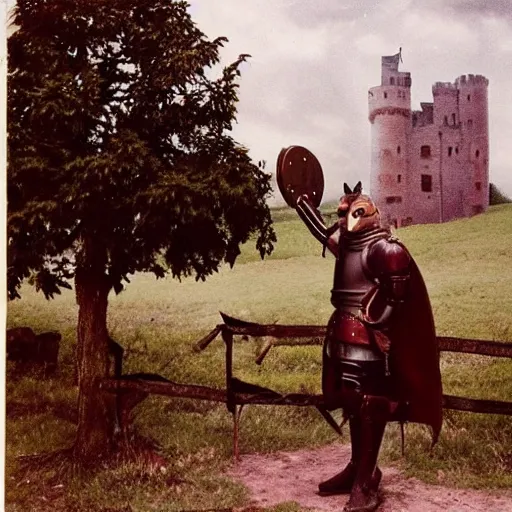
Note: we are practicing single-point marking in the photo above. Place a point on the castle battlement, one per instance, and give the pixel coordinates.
(463, 80)
(429, 165)
(472, 80)
(444, 88)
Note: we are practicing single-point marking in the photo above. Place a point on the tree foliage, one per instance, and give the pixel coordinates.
(121, 160)
(496, 196)
(119, 134)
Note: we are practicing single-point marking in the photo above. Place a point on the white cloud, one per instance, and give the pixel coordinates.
(438, 31)
(370, 44)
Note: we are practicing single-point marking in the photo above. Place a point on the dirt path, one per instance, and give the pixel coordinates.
(294, 476)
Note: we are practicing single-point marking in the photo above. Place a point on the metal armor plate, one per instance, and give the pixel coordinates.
(299, 172)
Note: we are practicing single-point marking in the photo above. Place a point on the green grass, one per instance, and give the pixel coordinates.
(467, 267)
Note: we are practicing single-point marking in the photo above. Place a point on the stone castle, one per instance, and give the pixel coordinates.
(430, 165)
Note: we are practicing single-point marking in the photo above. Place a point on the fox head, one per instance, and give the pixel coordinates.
(356, 211)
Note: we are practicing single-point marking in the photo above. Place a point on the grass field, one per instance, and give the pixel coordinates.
(467, 265)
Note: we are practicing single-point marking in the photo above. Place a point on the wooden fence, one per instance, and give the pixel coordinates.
(131, 389)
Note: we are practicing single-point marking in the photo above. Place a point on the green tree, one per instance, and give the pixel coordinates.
(496, 196)
(120, 160)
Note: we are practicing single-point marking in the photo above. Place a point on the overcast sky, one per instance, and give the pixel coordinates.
(313, 62)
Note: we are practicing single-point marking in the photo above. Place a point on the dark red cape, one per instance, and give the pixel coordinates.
(414, 356)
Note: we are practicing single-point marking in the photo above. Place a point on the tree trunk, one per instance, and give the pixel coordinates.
(96, 409)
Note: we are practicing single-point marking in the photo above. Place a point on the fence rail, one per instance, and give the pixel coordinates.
(238, 393)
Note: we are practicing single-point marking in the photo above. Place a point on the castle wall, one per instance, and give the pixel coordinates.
(447, 200)
(446, 107)
(425, 184)
(453, 165)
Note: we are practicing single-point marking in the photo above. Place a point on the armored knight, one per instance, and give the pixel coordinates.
(380, 355)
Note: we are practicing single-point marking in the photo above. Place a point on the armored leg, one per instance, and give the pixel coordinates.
(375, 412)
(335, 398)
(345, 383)
(348, 380)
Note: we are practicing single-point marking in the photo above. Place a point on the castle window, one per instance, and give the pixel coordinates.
(426, 183)
(398, 149)
(399, 178)
(445, 119)
(478, 185)
(469, 97)
(456, 150)
(477, 153)
(392, 81)
(450, 149)
(393, 199)
(453, 119)
(470, 123)
(425, 152)
(385, 95)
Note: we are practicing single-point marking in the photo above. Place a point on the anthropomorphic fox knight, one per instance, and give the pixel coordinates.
(380, 355)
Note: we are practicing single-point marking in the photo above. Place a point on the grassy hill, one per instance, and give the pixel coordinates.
(467, 265)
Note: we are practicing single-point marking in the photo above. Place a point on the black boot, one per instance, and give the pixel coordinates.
(342, 482)
(364, 494)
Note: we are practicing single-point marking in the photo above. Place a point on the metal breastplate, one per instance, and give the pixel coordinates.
(351, 283)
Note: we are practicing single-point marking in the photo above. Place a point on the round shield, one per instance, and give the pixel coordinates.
(299, 172)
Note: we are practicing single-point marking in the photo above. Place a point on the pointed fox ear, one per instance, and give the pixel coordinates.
(358, 188)
(346, 189)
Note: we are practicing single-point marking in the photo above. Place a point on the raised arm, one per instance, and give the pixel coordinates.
(327, 236)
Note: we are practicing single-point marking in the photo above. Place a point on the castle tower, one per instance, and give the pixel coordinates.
(430, 165)
(390, 116)
(475, 134)
(447, 200)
